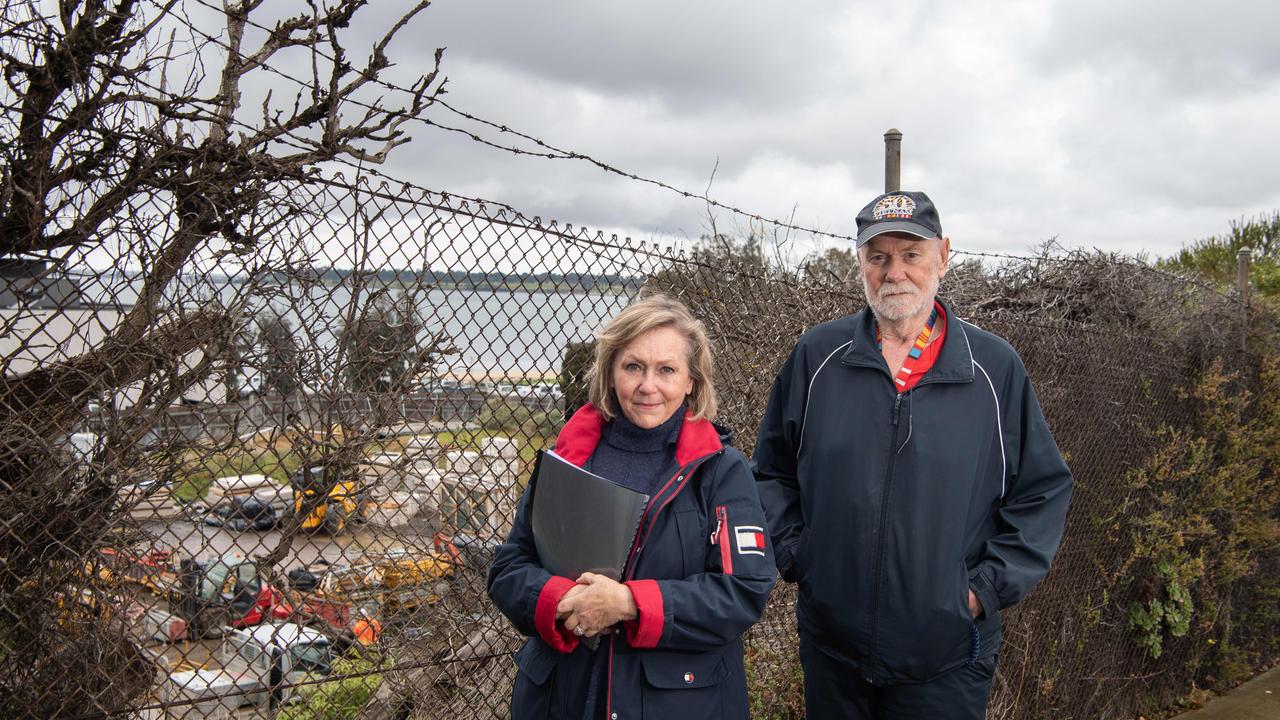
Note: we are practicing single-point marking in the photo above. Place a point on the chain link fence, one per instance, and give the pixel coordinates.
(282, 499)
(262, 426)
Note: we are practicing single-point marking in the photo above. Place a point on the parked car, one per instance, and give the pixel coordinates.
(540, 391)
(549, 390)
(432, 386)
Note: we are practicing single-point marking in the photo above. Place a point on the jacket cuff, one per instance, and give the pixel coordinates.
(549, 629)
(646, 629)
(985, 591)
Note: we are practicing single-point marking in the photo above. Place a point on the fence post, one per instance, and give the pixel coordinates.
(892, 160)
(1242, 285)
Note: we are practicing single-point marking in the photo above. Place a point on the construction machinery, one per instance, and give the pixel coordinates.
(382, 584)
(208, 595)
(340, 505)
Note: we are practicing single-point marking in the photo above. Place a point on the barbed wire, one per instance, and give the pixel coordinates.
(551, 152)
(522, 222)
(554, 152)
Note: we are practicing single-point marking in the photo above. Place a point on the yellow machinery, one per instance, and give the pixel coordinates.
(342, 504)
(392, 580)
(382, 582)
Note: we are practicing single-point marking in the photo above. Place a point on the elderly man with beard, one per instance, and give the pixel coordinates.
(911, 486)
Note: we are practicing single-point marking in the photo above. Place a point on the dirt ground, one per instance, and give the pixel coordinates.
(205, 542)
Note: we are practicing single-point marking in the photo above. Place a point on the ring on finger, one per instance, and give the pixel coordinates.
(578, 631)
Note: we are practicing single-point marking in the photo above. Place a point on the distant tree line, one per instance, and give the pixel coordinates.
(493, 280)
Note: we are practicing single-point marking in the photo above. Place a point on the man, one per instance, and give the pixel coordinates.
(911, 486)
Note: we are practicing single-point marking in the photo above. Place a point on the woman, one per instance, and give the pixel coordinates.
(701, 567)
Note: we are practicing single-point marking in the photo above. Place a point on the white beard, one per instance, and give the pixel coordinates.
(898, 308)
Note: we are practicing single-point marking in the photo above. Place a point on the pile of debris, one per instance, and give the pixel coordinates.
(149, 499)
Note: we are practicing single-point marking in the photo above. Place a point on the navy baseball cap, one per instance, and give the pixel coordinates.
(902, 211)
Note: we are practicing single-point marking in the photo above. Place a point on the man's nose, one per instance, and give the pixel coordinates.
(894, 272)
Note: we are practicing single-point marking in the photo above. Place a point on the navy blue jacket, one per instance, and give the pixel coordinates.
(888, 508)
(700, 573)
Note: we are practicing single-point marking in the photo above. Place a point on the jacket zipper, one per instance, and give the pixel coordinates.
(721, 537)
(881, 542)
(629, 570)
(651, 514)
(608, 683)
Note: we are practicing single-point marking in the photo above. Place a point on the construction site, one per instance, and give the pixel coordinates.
(367, 559)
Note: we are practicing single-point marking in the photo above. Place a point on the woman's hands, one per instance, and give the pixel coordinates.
(595, 604)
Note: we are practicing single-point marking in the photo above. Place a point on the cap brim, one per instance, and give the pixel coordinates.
(891, 226)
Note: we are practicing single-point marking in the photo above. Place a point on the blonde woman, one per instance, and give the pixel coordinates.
(701, 567)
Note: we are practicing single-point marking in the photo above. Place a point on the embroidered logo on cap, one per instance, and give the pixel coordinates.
(894, 207)
(750, 539)
(688, 677)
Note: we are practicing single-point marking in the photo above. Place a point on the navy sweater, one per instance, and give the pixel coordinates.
(632, 456)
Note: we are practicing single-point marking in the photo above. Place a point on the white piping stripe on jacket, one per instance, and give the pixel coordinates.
(1004, 465)
(804, 419)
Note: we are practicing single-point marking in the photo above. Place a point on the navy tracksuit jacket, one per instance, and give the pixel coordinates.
(700, 573)
(887, 509)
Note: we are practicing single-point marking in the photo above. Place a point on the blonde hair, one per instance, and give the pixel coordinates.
(635, 320)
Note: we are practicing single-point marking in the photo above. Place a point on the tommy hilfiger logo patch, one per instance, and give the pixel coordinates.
(894, 207)
(750, 539)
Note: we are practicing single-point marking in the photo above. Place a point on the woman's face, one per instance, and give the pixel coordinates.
(650, 376)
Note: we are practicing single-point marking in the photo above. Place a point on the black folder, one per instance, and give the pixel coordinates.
(581, 521)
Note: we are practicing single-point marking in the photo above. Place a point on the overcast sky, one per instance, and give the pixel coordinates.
(1124, 125)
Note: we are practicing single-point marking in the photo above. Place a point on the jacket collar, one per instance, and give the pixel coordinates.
(582, 433)
(954, 363)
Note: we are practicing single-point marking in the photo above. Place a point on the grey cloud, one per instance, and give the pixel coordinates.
(1150, 46)
(679, 53)
(1100, 123)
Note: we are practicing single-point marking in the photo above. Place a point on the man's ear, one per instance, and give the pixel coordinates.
(945, 249)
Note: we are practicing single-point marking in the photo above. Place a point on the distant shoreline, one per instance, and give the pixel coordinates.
(509, 376)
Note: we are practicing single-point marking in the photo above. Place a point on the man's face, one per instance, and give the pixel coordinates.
(901, 273)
